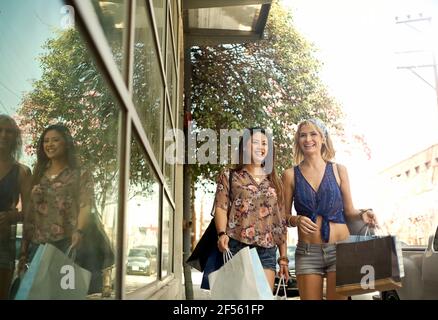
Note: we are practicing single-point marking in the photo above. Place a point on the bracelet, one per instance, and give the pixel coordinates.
(296, 222)
(220, 234)
(283, 258)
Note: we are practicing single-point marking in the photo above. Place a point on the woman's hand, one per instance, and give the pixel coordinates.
(369, 218)
(222, 243)
(284, 271)
(22, 264)
(306, 225)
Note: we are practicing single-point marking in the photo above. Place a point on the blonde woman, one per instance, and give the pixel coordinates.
(320, 191)
(14, 186)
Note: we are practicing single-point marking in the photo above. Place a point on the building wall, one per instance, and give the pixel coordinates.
(413, 196)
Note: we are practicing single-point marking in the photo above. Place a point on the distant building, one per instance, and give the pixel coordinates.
(412, 196)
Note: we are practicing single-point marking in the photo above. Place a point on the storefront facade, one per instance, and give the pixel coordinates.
(112, 72)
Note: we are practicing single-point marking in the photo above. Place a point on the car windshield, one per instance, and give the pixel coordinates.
(138, 253)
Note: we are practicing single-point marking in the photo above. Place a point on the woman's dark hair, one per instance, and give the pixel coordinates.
(43, 160)
(17, 143)
(268, 164)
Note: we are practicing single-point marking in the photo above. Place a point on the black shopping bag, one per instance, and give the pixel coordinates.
(205, 247)
(367, 266)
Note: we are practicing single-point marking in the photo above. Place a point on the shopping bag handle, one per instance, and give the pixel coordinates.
(227, 255)
(366, 225)
(281, 283)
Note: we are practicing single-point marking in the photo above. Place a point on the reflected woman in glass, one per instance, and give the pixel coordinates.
(14, 186)
(61, 207)
(61, 194)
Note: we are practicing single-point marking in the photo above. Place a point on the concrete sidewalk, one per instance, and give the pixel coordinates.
(198, 293)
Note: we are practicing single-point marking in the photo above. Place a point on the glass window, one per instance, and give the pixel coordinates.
(148, 81)
(160, 20)
(142, 228)
(111, 15)
(171, 75)
(242, 18)
(69, 121)
(166, 254)
(169, 169)
(175, 19)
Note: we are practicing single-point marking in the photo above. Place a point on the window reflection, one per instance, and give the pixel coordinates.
(142, 222)
(175, 20)
(169, 169)
(160, 20)
(171, 76)
(148, 82)
(166, 257)
(69, 123)
(111, 15)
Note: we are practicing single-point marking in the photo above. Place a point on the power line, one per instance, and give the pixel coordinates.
(10, 90)
(4, 107)
(407, 22)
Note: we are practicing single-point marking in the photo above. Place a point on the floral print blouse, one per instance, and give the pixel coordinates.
(55, 203)
(255, 216)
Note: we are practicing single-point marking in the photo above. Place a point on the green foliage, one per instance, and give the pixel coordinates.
(72, 90)
(272, 83)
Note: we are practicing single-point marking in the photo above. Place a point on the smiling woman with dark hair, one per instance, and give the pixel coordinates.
(254, 215)
(14, 186)
(62, 211)
(61, 195)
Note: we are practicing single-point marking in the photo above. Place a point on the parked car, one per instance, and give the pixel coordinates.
(140, 261)
(421, 273)
(291, 288)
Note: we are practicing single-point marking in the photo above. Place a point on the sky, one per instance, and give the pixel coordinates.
(18, 59)
(357, 43)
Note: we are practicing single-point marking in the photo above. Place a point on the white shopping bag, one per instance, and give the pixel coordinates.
(52, 275)
(281, 284)
(241, 278)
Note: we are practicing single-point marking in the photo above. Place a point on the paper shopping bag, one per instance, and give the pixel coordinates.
(205, 247)
(241, 278)
(367, 266)
(52, 275)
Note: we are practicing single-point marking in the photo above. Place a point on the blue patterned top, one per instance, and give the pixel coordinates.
(325, 202)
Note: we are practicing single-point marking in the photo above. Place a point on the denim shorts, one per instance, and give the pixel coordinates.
(267, 255)
(315, 258)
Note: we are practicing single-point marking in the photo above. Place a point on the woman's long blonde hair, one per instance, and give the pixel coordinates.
(17, 143)
(327, 149)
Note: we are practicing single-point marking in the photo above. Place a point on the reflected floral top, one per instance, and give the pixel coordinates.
(55, 203)
(255, 216)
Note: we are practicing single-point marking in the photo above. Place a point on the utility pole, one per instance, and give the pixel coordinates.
(414, 23)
